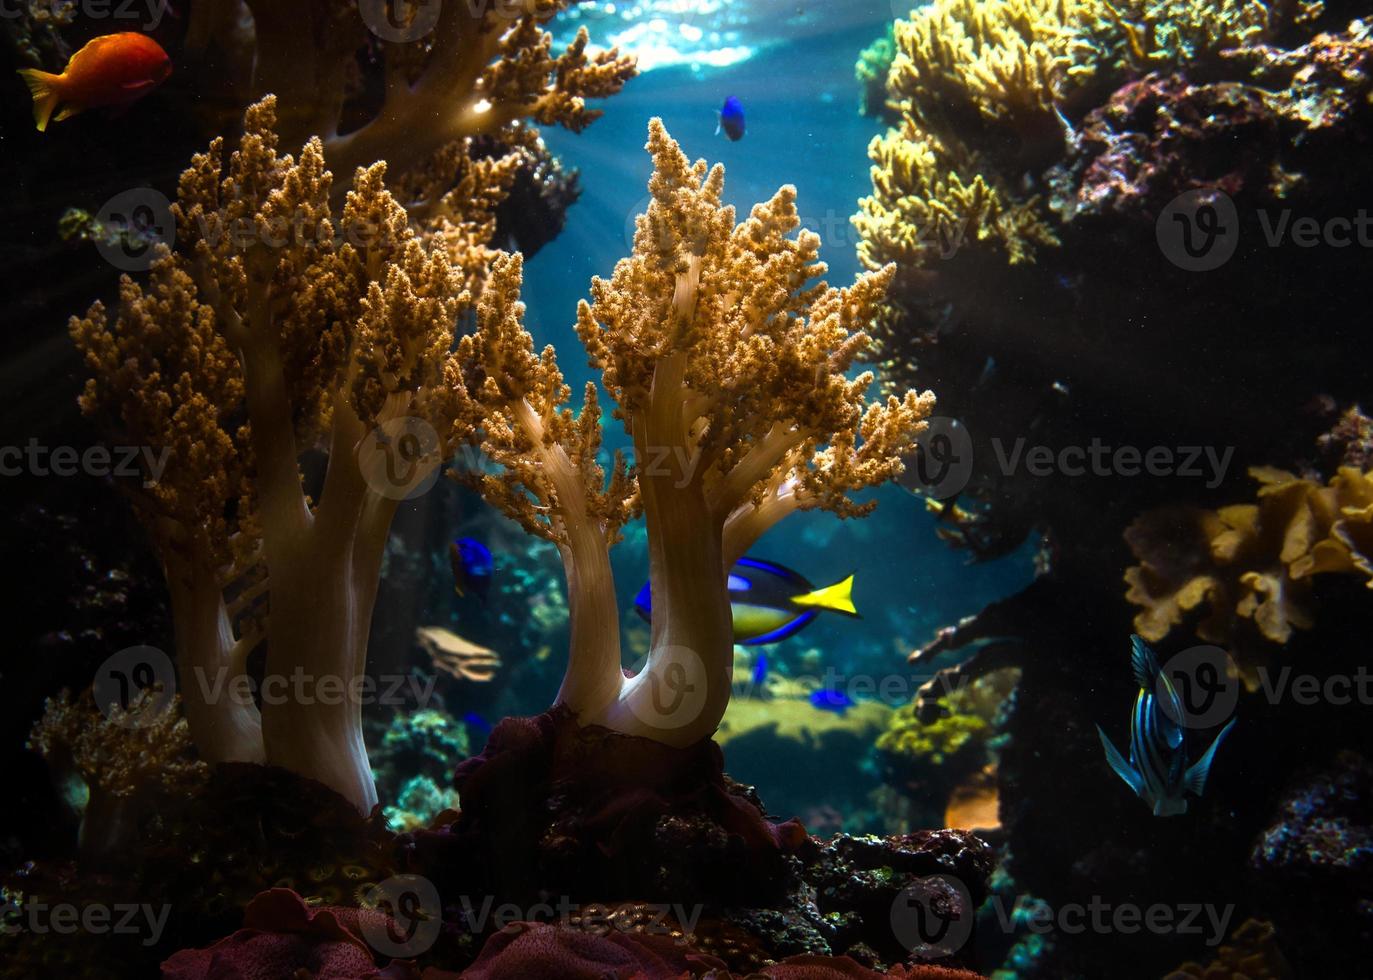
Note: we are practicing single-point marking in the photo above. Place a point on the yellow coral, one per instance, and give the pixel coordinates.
(1252, 561)
(1252, 953)
(1008, 58)
(980, 86)
(971, 712)
(963, 69)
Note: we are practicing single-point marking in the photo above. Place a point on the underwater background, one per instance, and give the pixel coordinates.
(1085, 695)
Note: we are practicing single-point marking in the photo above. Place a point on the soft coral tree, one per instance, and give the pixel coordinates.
(727, 363)
(278, 331)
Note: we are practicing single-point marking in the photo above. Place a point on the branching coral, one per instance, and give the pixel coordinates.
(119, 761)
(963, 68)
(985, 91)
(474, 70)
(279, 328)
(727, 367)
(1251, 561)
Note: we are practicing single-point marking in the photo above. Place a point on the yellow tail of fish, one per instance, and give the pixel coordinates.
(45, 97)
(836, 598)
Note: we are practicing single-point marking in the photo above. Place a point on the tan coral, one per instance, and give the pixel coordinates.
(475, 70)
(317, 326)
(113, 755)
(727, 365)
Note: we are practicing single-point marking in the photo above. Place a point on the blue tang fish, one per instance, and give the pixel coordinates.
(826, 699)
(760, 669)
(477, 722)
(771, 602)
(731, 120)
(1158, 771)
(472, 566)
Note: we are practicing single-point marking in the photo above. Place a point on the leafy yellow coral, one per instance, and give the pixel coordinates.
(1250, 561)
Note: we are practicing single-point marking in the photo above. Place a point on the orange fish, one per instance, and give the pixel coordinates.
(113, 70)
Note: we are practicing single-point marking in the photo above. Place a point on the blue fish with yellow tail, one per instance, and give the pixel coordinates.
(1158, 771)
(771, 602)
(731, 120)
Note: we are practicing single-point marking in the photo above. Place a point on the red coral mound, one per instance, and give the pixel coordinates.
(810, 967)
(531, 950)
(587, 812)
(527, 950)
(282, 935)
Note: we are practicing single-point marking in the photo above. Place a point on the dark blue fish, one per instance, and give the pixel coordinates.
(477, 722)
(760, 669)
(472, 566)
(732, 120)
(770, 602)
(1158, 771)
(826, 699)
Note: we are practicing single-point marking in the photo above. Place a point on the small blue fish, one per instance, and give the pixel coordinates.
(477, 722)
(827, 699)
(770, 602)
(472, 566)
(732, 120)
(1158, 771)
(760, 669)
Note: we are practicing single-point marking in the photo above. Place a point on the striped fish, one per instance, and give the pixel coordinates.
(1158, 771)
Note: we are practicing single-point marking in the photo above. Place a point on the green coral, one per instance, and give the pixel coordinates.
(420, 800)
(414, 761)
(971, 717)
(934, 742)
(874, 64)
